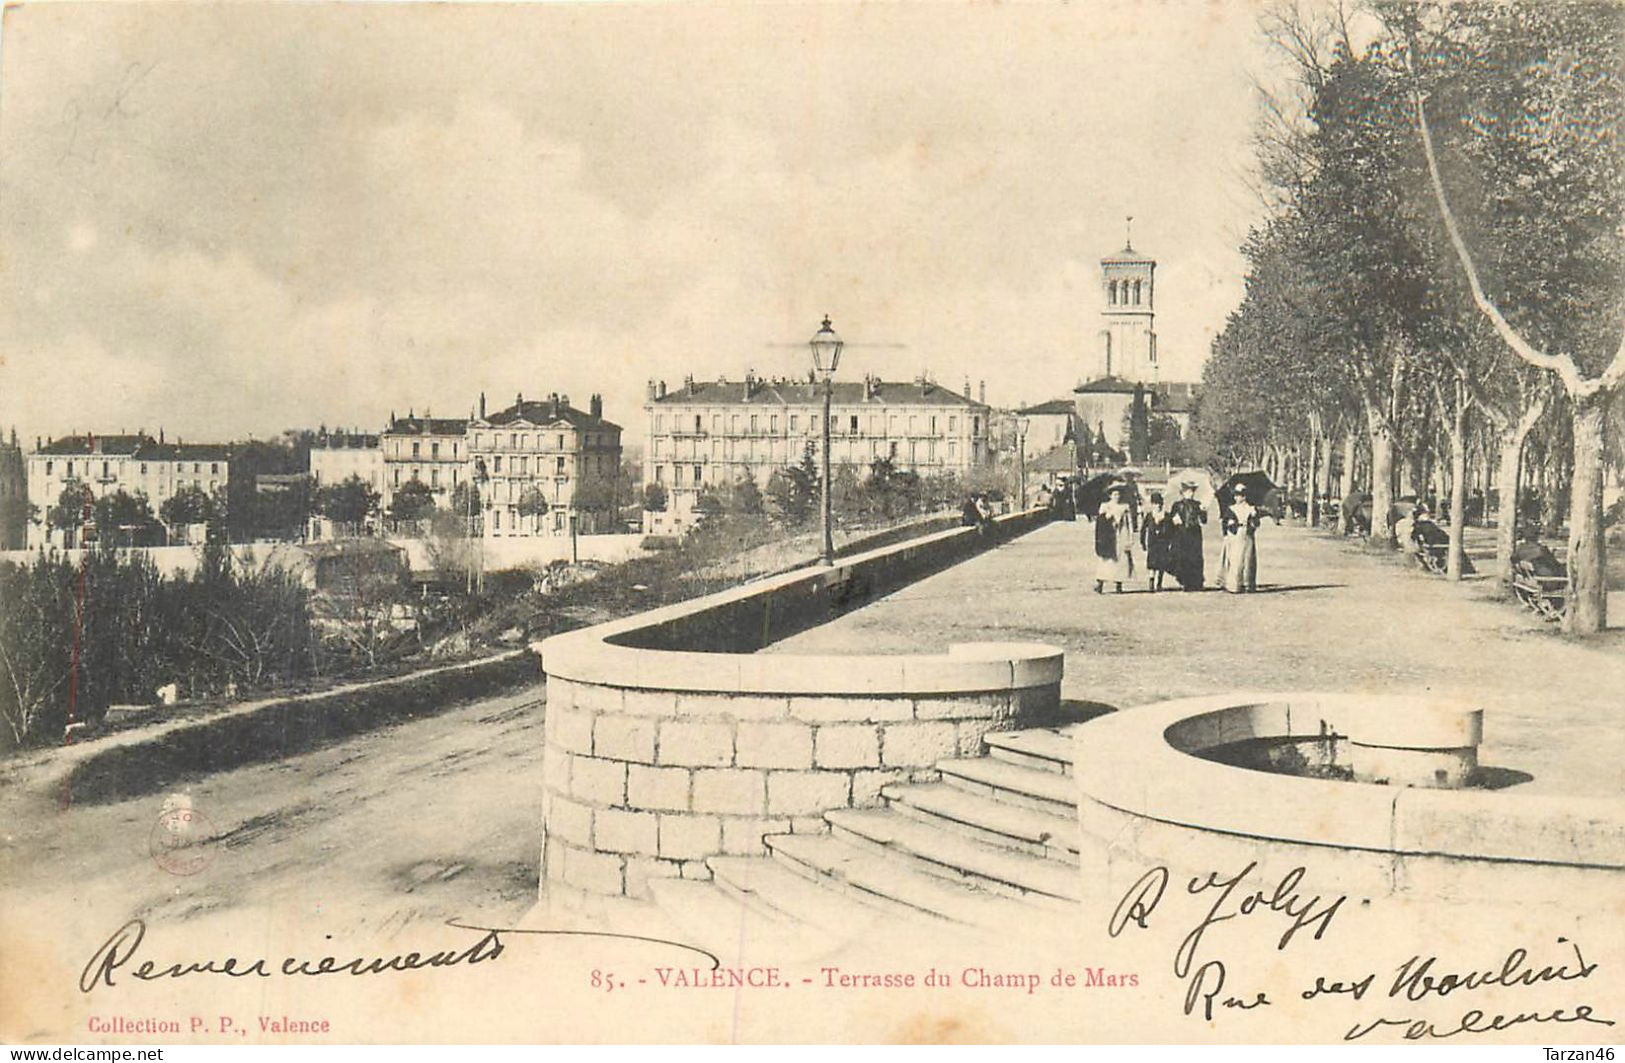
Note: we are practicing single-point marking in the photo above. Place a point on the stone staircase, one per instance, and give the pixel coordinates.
(990, 844)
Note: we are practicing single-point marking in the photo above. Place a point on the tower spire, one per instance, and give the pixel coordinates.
(1128, 232)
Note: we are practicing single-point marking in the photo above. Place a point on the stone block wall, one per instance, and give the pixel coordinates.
(640, 784)
(668, 740)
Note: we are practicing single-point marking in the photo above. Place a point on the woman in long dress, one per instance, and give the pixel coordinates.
(1185, 522)
(1114, 539)
(1239, 565)
(1156, 537)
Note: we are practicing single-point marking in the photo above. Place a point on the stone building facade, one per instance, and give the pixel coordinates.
(543, 465)
(714, 434)
(107, 464)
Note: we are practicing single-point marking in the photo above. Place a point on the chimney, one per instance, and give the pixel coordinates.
(967, 388)
(562, 401)
(688, 383)
(649, 395)
(482, 405)
(662, 392)
(595, 406)
(982, 392)
(750, 382)
(518, 400)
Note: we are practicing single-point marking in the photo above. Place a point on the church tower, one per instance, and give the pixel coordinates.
(1128, 340)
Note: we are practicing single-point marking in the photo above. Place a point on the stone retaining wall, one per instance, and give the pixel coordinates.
(659, 754)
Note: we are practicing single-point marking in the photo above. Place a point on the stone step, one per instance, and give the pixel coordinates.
(1038, 747)
(766, 886)
(832, 860)
(987, 818)
(1042, 791)
(703, 914)
(957, 857)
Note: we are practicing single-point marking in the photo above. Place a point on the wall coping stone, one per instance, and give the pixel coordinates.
(601, 654)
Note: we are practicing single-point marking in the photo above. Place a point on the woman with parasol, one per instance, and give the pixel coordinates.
(1114, 537)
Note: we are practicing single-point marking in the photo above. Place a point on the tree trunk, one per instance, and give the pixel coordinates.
(1382, 484)
(1312, 489)
(1588, 591)
(1345, 514)
(1506, 509)
(1458, 489)
(1326, 464)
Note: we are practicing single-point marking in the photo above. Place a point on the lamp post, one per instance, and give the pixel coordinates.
(1021, 455)
(826, 352)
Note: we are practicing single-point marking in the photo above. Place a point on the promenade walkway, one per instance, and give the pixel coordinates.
(1327, 616)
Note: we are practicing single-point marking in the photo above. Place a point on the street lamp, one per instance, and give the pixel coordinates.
(826, 352)
(1021, 455)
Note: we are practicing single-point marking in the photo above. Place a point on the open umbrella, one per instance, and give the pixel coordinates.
(1092, 492)
(1259, 485)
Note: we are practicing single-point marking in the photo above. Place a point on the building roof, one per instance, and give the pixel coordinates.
(1109, 385)
(345, 441)
(1062, 457)
(1053, 406)
(543, 412)
(426, 426)
(139, 446)
(773, 392)
(1129, 255)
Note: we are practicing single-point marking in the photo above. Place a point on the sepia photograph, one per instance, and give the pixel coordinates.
(812, 522)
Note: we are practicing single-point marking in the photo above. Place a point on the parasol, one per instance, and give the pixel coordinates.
(1092, 492)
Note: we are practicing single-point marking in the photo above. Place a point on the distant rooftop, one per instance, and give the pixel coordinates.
(785, 392)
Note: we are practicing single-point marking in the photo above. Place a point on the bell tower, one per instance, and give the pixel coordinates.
(1128, 339)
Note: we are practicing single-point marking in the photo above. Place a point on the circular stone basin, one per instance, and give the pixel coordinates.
(1398, 741)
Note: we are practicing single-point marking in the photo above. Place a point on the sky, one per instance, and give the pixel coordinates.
(230, 220)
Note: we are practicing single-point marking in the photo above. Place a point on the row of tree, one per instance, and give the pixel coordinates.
(1440, 279)
(76, 637)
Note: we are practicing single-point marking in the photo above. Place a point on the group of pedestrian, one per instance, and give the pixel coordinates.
(1168, 541)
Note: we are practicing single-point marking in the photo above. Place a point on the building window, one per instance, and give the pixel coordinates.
(913, 424)
(434, 477)
(933, 426)
(698, 421)
(434, 451)
(415, 448)
(698, 472)
(952, 447)
(104, 468)
(561, 443)
(854, 424)
(953, 424)
(496, 463)
(48, 467)
(733, 424)
(894, 424)
(513, 440)
(496, 520)
(143, 468)
(975, 426)
(397, 477)
(660, 474)
(479, 439)
(795, 422)
(558, 467)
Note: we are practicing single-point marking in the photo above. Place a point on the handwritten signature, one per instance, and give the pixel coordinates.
(119, 951)
(1416, 980)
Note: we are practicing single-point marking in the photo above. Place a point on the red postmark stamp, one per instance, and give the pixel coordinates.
(182, 841)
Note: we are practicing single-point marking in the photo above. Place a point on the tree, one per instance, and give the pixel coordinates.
(413, 501)
(1517, 98)
(123, 518)
(349, 502)
(654, 497)
(189, 505)
(533, 503)
(792, 491)
(72, 506)
(465, 500)
(746, 498)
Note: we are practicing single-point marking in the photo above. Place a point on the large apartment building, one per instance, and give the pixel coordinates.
(430, 450)
(715, 434)
(543, 464)
(336, 456)
(107, 464)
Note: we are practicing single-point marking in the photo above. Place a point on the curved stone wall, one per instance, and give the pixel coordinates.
(1148, 797)
(664, 748)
